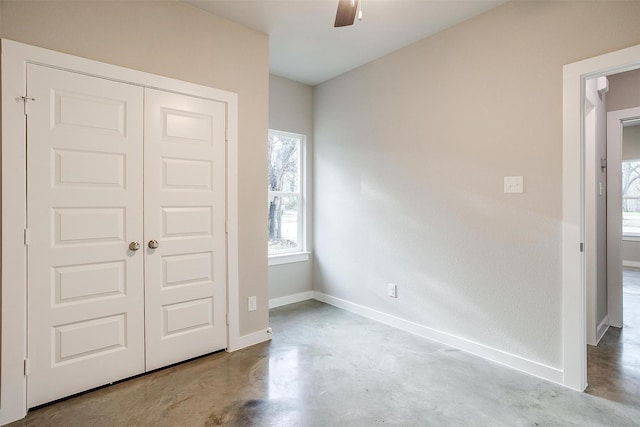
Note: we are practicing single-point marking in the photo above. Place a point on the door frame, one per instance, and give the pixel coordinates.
(15, 57)
(576, 247)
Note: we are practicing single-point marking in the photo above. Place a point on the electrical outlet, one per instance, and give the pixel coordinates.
(513, 184)
(392, 290)
(252, 304)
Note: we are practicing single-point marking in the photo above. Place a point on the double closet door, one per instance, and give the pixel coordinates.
(126, 194)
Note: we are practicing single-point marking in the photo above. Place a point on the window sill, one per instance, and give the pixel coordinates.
(289, 258)
(631, 238)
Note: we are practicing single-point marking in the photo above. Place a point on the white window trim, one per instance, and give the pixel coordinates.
(289, 258)
(300, 253)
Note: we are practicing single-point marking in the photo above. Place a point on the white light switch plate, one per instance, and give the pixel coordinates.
(513, 184)
(251, 304)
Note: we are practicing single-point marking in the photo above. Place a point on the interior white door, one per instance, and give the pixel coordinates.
(84, 195)
(185, 210)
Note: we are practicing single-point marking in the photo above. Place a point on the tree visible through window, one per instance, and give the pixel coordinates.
(631, 198)
(285, 205)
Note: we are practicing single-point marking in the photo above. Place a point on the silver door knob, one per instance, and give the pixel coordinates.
(153, 244)
(134, 246)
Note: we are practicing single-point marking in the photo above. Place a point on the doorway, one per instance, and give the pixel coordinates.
(612, 360)
(578, 249)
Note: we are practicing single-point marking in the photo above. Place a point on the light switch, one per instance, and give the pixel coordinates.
(513, 184)
(251, 304)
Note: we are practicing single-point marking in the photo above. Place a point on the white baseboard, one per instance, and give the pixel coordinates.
(513, 361)
(250, 339)
(290, 299)
(633, 264)
(602, 329)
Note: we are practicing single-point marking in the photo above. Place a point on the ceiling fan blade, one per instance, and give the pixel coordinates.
(346, 13)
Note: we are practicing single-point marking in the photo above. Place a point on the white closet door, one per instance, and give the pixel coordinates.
(185, 199)
(84, 192)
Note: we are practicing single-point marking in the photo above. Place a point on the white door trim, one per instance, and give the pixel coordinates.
(574, 216)
(15, 57)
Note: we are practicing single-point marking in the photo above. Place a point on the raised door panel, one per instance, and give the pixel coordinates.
(85, 290)
(185, 151)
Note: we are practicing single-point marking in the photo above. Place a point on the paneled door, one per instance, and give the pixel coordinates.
(185, 205)
(85, 207)
(126, 241)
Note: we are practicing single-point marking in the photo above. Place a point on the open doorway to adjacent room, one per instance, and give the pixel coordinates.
(612, 166)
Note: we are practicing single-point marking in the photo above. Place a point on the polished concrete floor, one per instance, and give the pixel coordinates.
(614, 365)
(328, 367)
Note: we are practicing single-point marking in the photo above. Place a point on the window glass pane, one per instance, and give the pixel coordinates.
(283, 163)
(283, 223)
(631, 198)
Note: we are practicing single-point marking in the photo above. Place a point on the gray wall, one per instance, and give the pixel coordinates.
(291, 110)
(410, 155)
(631, 252)
(624, 92)
(174, 39)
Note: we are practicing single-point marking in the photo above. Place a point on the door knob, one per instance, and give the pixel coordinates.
(153, 244)
(134, 246)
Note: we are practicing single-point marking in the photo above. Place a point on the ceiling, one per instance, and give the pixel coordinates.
(304, 45)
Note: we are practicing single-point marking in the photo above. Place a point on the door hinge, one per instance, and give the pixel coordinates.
(581, 247)
(26, 236)
(24, 100)
(26, 367)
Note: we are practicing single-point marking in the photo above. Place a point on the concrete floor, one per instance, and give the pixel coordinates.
(328, 367)
(613, 367)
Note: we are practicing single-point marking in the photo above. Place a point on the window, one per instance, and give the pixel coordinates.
(286, 204)
(631, 198)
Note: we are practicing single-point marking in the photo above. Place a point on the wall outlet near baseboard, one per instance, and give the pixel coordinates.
(392, 290)
(513, 184)
(252, 303)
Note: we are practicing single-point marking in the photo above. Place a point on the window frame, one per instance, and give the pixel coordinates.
(299, 253)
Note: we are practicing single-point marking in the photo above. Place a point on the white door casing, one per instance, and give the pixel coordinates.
(85, 291)
(185, 207)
